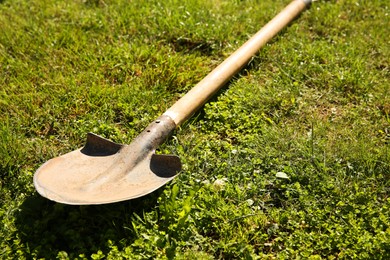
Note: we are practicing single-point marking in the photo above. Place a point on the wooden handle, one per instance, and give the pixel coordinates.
(206, 88)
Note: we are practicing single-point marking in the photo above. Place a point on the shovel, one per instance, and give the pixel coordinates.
(105, 172)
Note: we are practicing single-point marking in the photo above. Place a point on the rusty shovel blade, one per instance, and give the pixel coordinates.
(105, 172)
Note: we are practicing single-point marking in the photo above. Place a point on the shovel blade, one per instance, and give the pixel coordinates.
(104, 172)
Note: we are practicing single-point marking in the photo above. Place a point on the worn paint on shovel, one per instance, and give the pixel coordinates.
(105, 172)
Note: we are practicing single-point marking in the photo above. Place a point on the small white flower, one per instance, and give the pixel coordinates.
(250, 202)
(219, 183)
(206, 182)
(282, 175)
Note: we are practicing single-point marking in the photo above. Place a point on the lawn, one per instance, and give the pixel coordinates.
(290, 160)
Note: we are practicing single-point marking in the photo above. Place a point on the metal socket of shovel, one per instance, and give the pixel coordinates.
(105, 172)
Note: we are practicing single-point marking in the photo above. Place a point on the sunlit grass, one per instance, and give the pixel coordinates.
(290, 160)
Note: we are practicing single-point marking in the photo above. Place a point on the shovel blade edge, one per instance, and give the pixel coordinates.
(93, 175)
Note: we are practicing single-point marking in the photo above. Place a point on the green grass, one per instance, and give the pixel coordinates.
(314, 104)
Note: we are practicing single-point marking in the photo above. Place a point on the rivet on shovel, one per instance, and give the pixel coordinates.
(105, 172)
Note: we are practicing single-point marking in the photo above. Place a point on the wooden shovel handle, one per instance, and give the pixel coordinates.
(206, 88)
